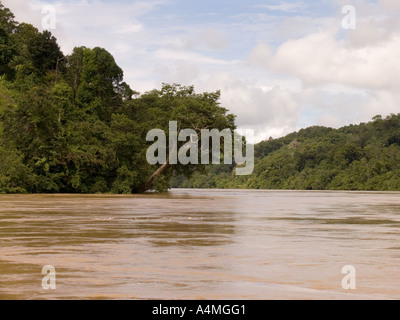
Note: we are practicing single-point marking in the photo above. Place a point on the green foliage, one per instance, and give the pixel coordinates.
(7, 53)
(70, 124)
(356, 157)
(28, 56)
(7, 19)
(97, 82)
(15, 176)
(155, 109)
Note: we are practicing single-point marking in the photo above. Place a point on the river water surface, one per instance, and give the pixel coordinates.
(201, 244)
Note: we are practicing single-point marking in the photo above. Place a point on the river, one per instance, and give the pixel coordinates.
(201, 244)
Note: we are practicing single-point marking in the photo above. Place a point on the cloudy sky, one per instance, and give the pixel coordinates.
(280, 65)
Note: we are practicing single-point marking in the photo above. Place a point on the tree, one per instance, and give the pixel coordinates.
(33, 123)
(37, 57)
(15, 176)
(7, 19)
(45, 53)
(100, 90)
(74, 70)
(155, 109)
(7, 52)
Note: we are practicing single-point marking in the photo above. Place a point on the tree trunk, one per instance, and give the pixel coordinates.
(154, 176)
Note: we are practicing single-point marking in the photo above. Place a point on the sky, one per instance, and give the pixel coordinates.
(280, 65)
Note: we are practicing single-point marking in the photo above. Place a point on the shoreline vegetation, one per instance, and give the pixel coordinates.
(69, 124)
(364, 157)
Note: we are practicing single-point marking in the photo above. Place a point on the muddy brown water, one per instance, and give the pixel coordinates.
(201, 244)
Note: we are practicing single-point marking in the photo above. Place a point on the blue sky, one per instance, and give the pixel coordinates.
(281, 65)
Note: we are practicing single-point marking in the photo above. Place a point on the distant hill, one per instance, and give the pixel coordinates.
(355, 157)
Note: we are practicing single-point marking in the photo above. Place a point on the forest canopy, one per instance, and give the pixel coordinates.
(70, 124)
(355, 157)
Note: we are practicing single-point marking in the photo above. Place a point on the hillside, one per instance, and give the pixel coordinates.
(355, 157)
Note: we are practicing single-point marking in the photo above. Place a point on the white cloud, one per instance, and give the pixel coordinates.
(129, 29)
(319, 58)
(89, 23)
(260, 55)
(181, 72)
(209, 37)
(190, 56)
(285, 6)
(270, 111)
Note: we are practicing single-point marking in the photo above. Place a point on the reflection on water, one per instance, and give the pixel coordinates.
(201, 244)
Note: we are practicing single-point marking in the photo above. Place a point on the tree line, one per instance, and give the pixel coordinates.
(70, 124)
(355, 157)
